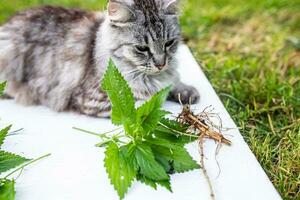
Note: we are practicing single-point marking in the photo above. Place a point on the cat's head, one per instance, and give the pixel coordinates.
(146, 33)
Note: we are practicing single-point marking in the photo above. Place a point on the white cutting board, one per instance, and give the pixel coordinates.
(75, 169)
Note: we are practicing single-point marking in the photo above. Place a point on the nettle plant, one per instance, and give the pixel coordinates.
(147, 147)
(10, 161)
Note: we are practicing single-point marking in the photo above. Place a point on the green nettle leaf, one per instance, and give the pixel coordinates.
(164, 161)
(149, 167)
(155, 145)
(3, 134)
(163, 142)
(7, 189)
(2, 87)
(178, 155)
(183, 162)
(129, 152)
(166, 184)
(175, 125)
(170, 130)
(9, 161)
(120, 172)
(150, 113)
(120, 95)
(147, 181)
(152, 183)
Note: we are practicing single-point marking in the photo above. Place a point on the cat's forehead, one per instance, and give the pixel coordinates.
(156, 31)
(158, 28)
(157, 3)
(151, 18)
(149, 10)
(151, 23)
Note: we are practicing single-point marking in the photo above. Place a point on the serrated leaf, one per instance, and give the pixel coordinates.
(3, 134)
(9, 161)
(173, 124)
(2, 87)
(170, 129)
(150, 113)
(183, 162)
(120, 95)
(174, 153)
(178, 155)
(164, 156)
(152, 183)
(149, 167)
(166, 184)
(164, 162)
(129, 152)
(172, 138)
(120, 172)
(7, 189)
(146, 181)
(164, 143)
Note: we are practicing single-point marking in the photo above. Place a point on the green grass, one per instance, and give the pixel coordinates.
(250, 50)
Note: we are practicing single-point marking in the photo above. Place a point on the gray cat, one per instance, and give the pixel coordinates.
(56, 57)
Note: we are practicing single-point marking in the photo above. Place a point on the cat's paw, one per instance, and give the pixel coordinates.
(187, 94)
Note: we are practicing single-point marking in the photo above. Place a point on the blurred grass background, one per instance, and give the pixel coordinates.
(250, 50)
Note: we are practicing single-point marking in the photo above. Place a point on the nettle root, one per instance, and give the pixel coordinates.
(205, 128)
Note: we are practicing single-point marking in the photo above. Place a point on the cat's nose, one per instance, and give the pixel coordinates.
(160, 62)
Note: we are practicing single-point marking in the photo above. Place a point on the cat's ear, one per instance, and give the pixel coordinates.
(171, 7)
(119, 13)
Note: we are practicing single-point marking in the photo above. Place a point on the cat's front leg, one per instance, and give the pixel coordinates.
(93, 103)
(186, 93)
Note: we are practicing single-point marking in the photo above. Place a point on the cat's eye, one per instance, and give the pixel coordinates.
(142, 48)
(170, 43)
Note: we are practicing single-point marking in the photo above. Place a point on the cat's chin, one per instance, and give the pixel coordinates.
(153, 72)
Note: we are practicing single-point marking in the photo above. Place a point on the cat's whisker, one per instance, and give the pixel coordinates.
(138, 76)
(147, 88)
(130, 72)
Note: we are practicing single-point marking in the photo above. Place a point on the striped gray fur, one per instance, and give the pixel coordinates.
(56, 56)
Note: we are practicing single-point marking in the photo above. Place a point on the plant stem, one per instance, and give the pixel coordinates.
(112, 131)
(91, 133)
(30, 162)
(181, 133)
(102, 135)
(85, 131)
